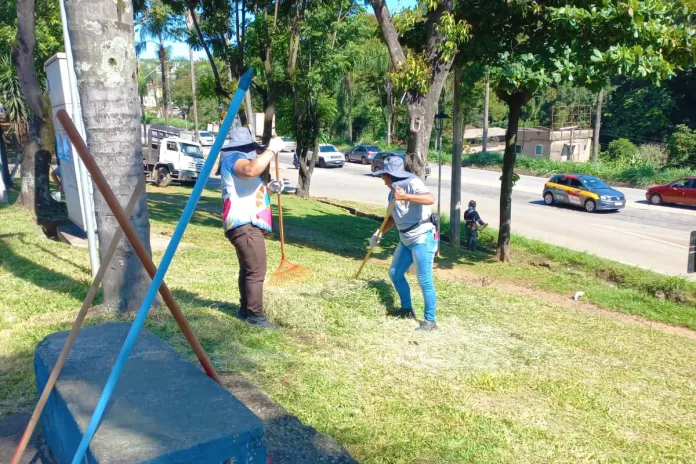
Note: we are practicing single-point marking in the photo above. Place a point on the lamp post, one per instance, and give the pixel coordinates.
(439, 126)
(220, 108)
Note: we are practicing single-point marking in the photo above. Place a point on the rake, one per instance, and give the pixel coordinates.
(287, 270)
(381, 231)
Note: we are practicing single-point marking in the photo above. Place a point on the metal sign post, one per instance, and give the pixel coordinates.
(692, 253)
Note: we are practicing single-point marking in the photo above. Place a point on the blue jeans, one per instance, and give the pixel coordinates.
(422, 252)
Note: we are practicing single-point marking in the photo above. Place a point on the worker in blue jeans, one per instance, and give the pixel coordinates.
(418, 244)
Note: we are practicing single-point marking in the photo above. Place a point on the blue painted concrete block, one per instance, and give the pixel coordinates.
(164, 409)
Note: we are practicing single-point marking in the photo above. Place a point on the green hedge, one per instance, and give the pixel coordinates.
(638, 175)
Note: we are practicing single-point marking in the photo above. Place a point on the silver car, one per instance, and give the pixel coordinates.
(362, 153)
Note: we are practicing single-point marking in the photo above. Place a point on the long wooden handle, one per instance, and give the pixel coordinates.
(280, 209)
(135, 241)
(381, 231)
(48, 388)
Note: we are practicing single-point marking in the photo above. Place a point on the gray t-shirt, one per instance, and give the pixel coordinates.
(407, 214)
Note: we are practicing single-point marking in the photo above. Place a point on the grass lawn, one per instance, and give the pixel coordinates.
(608, 284)
(510, 377)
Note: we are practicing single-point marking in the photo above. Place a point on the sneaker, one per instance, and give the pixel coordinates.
(427, 326)
(260, 322)
(241, 314)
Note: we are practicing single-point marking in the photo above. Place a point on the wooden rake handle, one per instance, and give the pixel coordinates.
(381, 231)
(280, 208)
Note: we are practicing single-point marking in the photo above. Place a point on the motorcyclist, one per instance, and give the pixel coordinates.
(473, 221)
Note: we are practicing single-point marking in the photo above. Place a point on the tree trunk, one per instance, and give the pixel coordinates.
(515, 102)
(390, 109)
(7, 179)
(194, 97)
(457, 147)
(420, 116)
(349, 103)
(163, 70)
(35, 193)
(486, 106)
(305, 176)
(597, 127)
(104, 54)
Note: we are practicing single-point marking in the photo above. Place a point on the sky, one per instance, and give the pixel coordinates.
(180, 50)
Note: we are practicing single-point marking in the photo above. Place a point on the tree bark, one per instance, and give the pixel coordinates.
(486, 106)
(597, 127)
(104, 56)
(162, 54)
(349, 102)
(35, 192)
(194, 97)
(457, 147)
(7, 179)
(389, 109)
(515, 103)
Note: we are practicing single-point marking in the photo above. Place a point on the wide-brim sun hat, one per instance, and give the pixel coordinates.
(239, 141)
(394, 167)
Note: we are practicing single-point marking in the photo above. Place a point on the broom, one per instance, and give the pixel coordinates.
(381, 231)
(286, 270)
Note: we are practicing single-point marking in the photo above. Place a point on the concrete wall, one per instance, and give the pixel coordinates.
(555, 145)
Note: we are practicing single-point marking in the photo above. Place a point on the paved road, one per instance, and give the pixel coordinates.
(643, 235)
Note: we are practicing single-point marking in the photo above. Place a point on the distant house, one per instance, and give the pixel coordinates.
(473, 137)
(564, 144)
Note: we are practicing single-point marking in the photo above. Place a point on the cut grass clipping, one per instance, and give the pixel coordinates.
(509, 378)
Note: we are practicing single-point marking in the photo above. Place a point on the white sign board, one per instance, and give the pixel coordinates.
(59, 90)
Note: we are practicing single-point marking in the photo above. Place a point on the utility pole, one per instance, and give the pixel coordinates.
(597, 127)
(486, 102)
(189, 24)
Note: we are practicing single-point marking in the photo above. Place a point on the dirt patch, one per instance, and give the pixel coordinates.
(469, 278)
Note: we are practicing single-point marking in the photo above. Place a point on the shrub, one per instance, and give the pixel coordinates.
(682, 145)
(654, 154)
(621, 150)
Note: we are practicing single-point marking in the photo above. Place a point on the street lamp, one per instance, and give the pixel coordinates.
(220, 108)
(439, 126)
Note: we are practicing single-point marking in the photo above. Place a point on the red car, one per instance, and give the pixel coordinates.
(682, 191)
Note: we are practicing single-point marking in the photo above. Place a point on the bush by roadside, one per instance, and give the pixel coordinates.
(637, 174)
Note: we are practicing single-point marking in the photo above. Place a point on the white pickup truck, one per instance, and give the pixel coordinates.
(169, 157)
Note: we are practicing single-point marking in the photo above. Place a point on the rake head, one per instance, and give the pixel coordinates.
(288, 272)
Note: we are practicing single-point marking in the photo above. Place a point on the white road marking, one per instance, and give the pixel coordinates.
(645, 236)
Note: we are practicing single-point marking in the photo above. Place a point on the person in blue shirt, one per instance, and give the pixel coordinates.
(473, 221)
(413, 218)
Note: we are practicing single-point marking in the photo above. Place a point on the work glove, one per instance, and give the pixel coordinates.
(376, 238)
(275, 187)
(275, 145)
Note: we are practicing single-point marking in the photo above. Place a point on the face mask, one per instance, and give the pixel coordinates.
(472, 208)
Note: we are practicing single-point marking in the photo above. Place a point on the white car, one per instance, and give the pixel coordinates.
(328, 157)
(206, 138)
(289, 145)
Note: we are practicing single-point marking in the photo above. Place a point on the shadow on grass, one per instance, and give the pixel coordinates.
(38, 275)
(386, 294)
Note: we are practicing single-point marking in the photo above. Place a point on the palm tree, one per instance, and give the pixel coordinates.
(160, 24)
(111, 120)
(11, 95)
